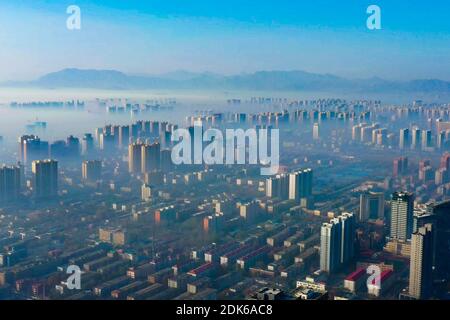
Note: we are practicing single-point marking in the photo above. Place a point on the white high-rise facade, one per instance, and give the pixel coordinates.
(402, 212)
(337, 242)
(300, 184)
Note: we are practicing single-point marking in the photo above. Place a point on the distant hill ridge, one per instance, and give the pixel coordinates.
(261, 80)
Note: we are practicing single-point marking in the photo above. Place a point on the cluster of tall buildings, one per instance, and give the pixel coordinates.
(420, 232)
(68, 149)
(293, 186)
(278, 187)
(143, 157)
(413, 139)
(44, 182)
(148, 157)
(430, 250)
(440, 176)
(113, 137)
(294, 250)
(426, 233)
(32, 148)
(371, 133)
(419, 139)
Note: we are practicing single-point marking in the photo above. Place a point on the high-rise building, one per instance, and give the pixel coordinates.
(196, 144)
(97, 133)
(271, 187)
(316, 135)
(141, 127)
(249, 211)
(135, 157)
(106, 142)
(166, 160)
(45, 178)
(421, 263)
(147, 127)
(400, 166)
(426, 139)
(426, 172)
(404, 138)
(22, 145)
(108, 129)
(278, 186)
(124, 136)
(87, 144)
(402, 211)
(115, 133)
(134, 131)
(300, 184)
(415, 138)
(380, 136)
(366, 133)
(441, 212)
(91, 170)
(330, 246)
(441, 176)
(371, 206)
(348, 225)
(337, 242)
(32, 148)
(445, 161)
(423, 214)
(154, 129)
(441, 140)
(165, 139)
(10, 183)
(72, 147)
(150, 157)
(58, 149)
(356, 132)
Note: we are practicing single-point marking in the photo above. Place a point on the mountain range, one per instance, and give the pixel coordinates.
(261, 80)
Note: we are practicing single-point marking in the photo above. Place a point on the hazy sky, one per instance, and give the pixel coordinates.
(233, 36)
